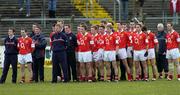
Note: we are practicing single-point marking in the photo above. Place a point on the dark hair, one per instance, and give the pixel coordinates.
(103, 21)
(119, 22)
(84, 26)
(170, 23)
(144, 28)
(37, 26)
(102, 26)
(95, 27)
(12, 28)
(68, 25)
(22, 28)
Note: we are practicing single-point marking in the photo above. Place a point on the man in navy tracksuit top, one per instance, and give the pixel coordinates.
(59, 46)
(38, 54)
(10, 57)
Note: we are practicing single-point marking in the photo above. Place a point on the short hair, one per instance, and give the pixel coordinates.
(62, 21)
(144, 28)
(84, 26)
(95, 27)
(109, 26)
(53, 24)
(58, 25)
(119, 22)
(38, 26)
(68, 25)
(160, 25)
(170, 23)
(139, 24)
(102, 26)
(103, 21)
(22, 28)
(12, 28)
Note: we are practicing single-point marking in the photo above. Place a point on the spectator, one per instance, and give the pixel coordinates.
(52, 8)
(11, 52)
(161, 60)
(125, 9)
(21, 4)
(39, 54)
(175, 9)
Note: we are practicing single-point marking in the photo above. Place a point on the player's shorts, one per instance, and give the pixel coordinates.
(98, 55)
(129, 54)
(151, 53)
(109, 56)
(122, 54)
(25, 58)
(84, 57)
(139, 55)
(172, 53)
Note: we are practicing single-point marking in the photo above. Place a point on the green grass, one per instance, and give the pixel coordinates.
(159, 87)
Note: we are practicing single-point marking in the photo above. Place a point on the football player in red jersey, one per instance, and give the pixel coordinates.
(130, 32)
(26, 46)
(140, 49)
(152, 42)
(121, 41)
(110, 52)
(84, 40)
(172, 54)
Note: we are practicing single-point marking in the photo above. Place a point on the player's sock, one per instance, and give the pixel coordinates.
(129, 77)
(102, 78)
(116, 77)
(178, 76)
(170, 77)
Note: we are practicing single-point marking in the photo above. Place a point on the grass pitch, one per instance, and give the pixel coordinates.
(158, 87)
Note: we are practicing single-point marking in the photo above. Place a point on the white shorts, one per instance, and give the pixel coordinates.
(98, 55)
(173, 53)
(109, 56)
(151, 53)
(84, 57)
(139, 55)
(24, 59)
(129, 54)
(122, 54)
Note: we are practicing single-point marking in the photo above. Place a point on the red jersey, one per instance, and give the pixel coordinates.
(121, 39)
(50, 37)
(130, 34)
(100, 42)
(109, 42)
(25, 45)
(84, 42)
(172, 40)
(94, 44)
(139, 41)
(152, 40)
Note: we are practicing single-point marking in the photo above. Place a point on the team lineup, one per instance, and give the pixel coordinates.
(94, 55)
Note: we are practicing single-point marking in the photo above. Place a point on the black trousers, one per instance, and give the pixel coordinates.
(59, 58)
(71, 61)
(162, 63)
(38, 69)
(123, 71)
(9, 59)
(52, 14)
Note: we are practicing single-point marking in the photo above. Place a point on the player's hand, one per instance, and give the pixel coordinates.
(146, 54)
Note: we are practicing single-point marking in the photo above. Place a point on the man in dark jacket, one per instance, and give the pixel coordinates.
(59, 56)
(162, 63)
(39, 54)
(71, 59)
(11, 52)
